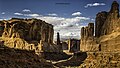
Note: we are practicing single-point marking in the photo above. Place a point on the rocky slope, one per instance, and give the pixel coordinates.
(101, 60)
(16, 58)
(110, 42)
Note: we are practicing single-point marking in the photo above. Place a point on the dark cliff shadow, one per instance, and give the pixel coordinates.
(76, 60)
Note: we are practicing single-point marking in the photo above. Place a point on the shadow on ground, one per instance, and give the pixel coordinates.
(16, 58)
(55, 56)
(76, 60)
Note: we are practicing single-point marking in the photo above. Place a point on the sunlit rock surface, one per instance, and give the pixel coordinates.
(103, 49)
(30, 34)
(107, 31)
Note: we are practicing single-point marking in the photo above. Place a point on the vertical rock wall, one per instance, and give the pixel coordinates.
(87, 38)
(99, 22)
(28, 34)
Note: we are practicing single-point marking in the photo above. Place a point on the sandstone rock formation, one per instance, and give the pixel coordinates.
(58, 38)
(107, 24)
(88, 39)
(29, 30)
(73, 45)
(110, 29)
(105, 53)
(88, 31)
(59, 42)
(64, 46)
(30, 34)
(100, 19)
(107, 37)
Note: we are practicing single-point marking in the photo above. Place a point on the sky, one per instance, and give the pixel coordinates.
(67, 16)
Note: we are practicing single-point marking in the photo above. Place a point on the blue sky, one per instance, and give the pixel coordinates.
(67, 16)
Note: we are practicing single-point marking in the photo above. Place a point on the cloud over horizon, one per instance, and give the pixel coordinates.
(32, 15)
(18, 13)
(52, 14)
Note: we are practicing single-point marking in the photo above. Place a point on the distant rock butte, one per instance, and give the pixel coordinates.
(30, 34)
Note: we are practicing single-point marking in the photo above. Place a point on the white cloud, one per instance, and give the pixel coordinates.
(1, 19)
(18, 13)
(3, 13)
(26, 10)
(52, 14)
(93, 19)
(76, 14)
(32, 15)
(94, 4)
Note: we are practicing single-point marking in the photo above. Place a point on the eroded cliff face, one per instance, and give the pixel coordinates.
(107, 31)
(29, 30)
(30, 34)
